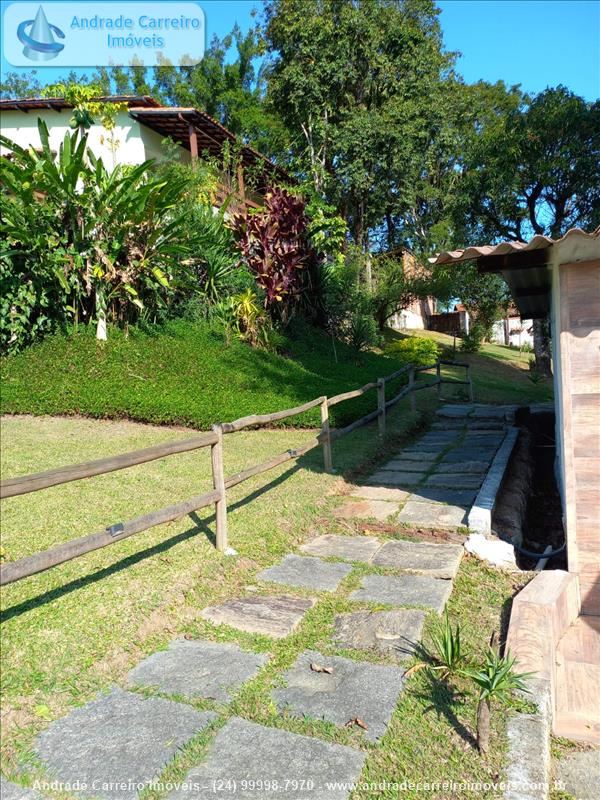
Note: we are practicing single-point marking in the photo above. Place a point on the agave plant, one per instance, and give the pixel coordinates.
(447, 650)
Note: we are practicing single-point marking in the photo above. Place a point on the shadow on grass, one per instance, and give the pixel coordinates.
(444, 701)
(201, 526)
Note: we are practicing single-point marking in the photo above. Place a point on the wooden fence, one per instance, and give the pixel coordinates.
(38, 562)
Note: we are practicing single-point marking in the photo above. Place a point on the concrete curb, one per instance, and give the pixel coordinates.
(480, 515)
(528, 772)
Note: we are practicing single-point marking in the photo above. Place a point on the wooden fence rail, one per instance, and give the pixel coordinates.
(38, 562)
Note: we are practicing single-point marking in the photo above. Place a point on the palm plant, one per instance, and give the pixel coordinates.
(496, 681)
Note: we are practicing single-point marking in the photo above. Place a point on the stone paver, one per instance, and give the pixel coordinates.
(406, 590)
(353, 689)
(388, 493)
(198, 669)
(391, 478)
(451, 497)
(405, 465)
(475, 467)
(394, 633)
(248, 758)
(423, 558)
(307, 572)
(440, 436)
(455, 480)
(429, 447)
(272, 615)
(580, 773)
(352, 548)
(483, 439)
(432, 515)
(414, 454)
(455, 411)
(365, 509)
(118, 738)
(469, 454)
(12, 791)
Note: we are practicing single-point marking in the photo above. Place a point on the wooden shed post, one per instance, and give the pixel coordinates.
(216, 453)
(381, 405)
(411, 386)
(325, 438)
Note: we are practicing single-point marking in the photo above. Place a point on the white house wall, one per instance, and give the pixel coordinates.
(128, 142)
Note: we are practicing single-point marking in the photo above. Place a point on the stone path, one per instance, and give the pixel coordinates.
(435, 480)
(118, 743)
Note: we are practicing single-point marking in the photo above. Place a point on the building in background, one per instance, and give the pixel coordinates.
(141, 127)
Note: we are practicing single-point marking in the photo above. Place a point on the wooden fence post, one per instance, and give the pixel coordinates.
(471, 394)
(216, 454)
(438, 375)
(326, 440)
(411, 385)
(381, 405)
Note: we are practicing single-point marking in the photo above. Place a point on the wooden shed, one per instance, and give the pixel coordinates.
(555, 622)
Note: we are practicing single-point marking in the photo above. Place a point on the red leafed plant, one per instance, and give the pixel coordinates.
(274, 245)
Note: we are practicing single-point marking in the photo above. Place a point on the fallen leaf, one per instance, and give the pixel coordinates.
(319, 668)
(359, 722)
(187, 636)
(414, 669)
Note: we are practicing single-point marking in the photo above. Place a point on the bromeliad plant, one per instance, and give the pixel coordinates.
(89, 243)
(275, 246)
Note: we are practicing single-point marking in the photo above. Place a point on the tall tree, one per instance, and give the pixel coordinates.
(354, 82)
(532, 170)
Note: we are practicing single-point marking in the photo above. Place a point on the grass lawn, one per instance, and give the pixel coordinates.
(184, 374)
(80, 627)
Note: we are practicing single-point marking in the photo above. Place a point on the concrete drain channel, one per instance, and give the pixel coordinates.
(516, 519)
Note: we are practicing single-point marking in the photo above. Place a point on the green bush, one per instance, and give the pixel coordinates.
(472, 341)
(414, 350)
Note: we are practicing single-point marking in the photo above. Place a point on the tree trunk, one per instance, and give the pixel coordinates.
(483, 726)
(541, 347)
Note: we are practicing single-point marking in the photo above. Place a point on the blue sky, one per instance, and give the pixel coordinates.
(536, 43)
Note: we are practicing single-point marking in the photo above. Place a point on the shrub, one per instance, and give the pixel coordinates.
(414, 350)
(348, 308)
(274, 243)
(91, 244)
(472, 341)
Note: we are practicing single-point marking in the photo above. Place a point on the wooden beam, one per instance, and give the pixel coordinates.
(527, 259)
(39, 562)
(53, 477)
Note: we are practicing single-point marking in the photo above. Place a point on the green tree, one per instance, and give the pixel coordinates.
(354, 83)
(532, 170)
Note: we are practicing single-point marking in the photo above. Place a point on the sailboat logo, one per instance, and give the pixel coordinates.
(38, 37)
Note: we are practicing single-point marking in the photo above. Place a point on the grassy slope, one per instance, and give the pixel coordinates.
(79, 628)
(184, 374)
